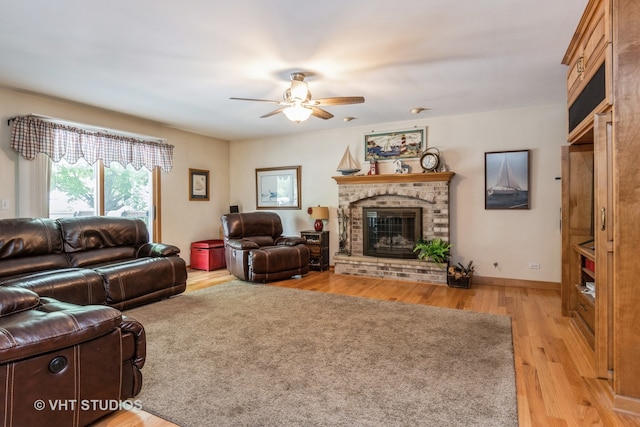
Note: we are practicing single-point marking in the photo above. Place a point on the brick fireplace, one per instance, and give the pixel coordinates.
(427, 193)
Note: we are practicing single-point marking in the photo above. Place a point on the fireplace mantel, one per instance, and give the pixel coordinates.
(394, 178)
(428, 191)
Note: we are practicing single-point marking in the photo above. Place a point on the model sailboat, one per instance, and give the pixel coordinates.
(506, 182)
(348, 165)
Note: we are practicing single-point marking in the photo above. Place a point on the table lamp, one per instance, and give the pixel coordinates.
(319, 213)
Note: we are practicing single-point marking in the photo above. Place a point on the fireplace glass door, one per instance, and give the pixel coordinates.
(391, 232)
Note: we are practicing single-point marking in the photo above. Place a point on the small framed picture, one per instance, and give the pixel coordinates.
(278, 188)
(506, 180)
(198, 184)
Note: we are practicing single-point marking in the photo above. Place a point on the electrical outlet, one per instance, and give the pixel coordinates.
(4, 204)
(534, 266)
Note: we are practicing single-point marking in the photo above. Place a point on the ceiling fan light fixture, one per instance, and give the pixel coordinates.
(298, 106)
(299, 91)
(297, 113)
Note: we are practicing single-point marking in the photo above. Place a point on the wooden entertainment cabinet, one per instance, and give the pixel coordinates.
(600, 193)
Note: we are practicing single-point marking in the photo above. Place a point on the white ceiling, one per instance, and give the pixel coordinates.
(178, 62)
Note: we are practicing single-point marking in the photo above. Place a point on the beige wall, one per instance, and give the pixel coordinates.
(183, 221)
(513, 239)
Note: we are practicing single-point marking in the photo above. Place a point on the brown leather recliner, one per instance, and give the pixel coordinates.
(65, 364)
(256, 251)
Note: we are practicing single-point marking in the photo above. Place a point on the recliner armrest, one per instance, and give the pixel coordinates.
(290, 241)
(52, 326)
(131, 325)
(157, 250)
(242, 244)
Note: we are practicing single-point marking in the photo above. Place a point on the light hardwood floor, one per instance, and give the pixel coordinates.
(555, 381)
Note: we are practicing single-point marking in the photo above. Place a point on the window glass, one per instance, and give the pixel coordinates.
(72, 189)
(75, 189)
(127, 192)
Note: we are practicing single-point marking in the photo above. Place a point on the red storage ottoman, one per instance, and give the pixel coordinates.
(207, 255)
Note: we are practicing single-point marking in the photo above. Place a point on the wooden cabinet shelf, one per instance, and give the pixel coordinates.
(589, 273)
(584, 298)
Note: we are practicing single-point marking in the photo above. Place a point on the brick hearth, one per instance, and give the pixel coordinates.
(430, 191)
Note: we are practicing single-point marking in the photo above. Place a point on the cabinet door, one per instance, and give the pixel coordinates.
(577, 215)
(590, 67)
(596, 37)
(604, 215)
(586, 52)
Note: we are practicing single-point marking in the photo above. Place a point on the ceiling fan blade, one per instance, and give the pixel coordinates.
(339, 100)
(320, 113)
(273, 113)
(259, 100)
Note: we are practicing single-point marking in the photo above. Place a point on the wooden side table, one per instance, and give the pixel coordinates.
(318, 243)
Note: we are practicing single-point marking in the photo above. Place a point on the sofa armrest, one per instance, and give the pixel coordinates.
(242, 244)
(157, 250)
(14, 300)
(290, 241)
(135, 328)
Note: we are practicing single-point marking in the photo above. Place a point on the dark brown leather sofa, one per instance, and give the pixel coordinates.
(256, 251)
(68, 356)
(89, 260)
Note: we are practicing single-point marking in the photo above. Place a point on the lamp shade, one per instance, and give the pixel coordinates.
(320, 212)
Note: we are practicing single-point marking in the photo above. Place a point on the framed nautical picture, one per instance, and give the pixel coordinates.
(506, 180)
(404, 144)
(278, 188)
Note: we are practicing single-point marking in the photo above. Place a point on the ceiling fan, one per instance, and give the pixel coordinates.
(297, 104)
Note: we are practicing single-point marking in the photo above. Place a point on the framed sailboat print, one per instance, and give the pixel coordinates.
(506, 180)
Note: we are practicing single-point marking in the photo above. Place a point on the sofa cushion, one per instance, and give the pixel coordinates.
(26, 237)
(261, 241)
(131, 280)
(28, 245)
(273, 259)
(244, 225)
(102, 256)
(24, 265)
(97, 232)
(75, 285)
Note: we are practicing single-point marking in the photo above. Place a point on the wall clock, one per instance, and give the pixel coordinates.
(430, 160)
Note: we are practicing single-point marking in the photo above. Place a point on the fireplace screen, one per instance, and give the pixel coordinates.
(391, 232)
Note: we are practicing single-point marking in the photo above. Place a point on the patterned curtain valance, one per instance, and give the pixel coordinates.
(32, 135)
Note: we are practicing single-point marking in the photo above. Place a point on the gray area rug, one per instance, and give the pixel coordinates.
(241, 354)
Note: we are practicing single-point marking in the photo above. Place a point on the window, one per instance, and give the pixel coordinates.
(81, 189)
(74, 186)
